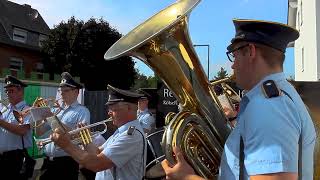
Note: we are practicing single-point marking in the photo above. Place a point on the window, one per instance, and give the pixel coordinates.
(302, 59)
(39, 67)
(20, 35)
(42, 38)
(16, 64)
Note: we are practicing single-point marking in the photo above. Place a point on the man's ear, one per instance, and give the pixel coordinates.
(252, 52)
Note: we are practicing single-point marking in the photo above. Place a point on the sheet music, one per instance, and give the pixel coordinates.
(40, 113)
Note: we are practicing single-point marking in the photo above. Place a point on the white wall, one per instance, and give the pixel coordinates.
(306, 47)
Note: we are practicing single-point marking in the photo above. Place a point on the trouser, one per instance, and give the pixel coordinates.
(59, 168)
(10, 165)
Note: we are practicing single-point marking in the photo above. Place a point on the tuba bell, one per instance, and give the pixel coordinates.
(163, 43)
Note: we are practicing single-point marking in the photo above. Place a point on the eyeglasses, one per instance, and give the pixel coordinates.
(9, 91)
(230, 54)
(65, 90)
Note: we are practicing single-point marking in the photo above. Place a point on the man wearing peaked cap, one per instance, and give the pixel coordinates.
(144, 116)
(123, 155)
(12, 129)
(13, 81)
(119, 95)
(273, 123)
(59, 164)
(67, 80)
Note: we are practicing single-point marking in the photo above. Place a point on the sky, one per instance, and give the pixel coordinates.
(210, 23)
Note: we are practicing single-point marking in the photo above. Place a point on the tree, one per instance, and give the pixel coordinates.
(221, 74)
(78, 47)
(143, 81)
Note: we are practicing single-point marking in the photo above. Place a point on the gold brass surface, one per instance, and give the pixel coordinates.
(163, 43)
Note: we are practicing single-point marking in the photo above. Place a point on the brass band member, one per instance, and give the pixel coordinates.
(144, 116)
(58, 164)
(273, 125)
(122, 156)
(14, 132)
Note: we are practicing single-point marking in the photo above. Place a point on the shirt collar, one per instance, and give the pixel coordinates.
(19, 105)
(125, 127)
(74, 104)
(145, 110)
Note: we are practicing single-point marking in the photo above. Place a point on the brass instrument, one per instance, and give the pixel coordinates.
(38, 102)
(228, 92)
(80, 135)
(163, 43)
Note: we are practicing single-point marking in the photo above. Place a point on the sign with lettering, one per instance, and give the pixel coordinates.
(166, 103)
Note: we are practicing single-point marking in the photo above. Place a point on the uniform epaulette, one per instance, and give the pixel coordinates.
(131, 130)
(270, 89)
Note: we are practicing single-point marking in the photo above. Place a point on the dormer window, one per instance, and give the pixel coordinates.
(19, 35)
(41, 39)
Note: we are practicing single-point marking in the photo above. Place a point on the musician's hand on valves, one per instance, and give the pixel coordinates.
(61, 138)
(180, 171)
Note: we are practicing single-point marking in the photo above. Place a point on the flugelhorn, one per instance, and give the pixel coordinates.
(80, 135)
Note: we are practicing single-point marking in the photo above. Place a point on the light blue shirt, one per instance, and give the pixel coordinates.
(126, 152)
(270, 128)
(71, 116)
(8, 140)
(146, 119)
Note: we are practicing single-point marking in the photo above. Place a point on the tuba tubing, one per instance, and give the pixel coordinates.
(163, 43)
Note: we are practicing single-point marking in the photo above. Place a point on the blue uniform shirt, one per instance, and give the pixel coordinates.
(270, 128)
(8, 140)
(126, 152)
(146, 119)
(71, 116)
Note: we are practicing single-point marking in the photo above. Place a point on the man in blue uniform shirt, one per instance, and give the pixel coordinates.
(123, 155)
(12, 131)
(273, 122)
(58, 164)
(144, 116)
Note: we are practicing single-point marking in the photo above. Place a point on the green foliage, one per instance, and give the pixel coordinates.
(221, 74)
(78, 47)
(143, 81)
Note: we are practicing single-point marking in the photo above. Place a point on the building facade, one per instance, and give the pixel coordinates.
(22, 29)
(305, 17)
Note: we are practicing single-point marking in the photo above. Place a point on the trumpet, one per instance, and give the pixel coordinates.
(39, 102)
(80, 135)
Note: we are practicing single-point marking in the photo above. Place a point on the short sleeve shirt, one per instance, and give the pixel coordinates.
(146, 119)
(127, 152)
(8, 140)
(270, 128)
(71, 116)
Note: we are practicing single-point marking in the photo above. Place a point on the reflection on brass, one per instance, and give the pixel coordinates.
(163, 43)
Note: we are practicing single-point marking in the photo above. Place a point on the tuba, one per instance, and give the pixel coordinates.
(163, 43)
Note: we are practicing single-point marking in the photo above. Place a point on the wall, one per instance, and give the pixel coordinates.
(306, 47)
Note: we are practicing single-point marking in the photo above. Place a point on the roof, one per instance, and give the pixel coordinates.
(21, 16)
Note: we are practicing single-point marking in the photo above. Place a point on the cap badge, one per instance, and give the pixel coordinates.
(63, 81)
